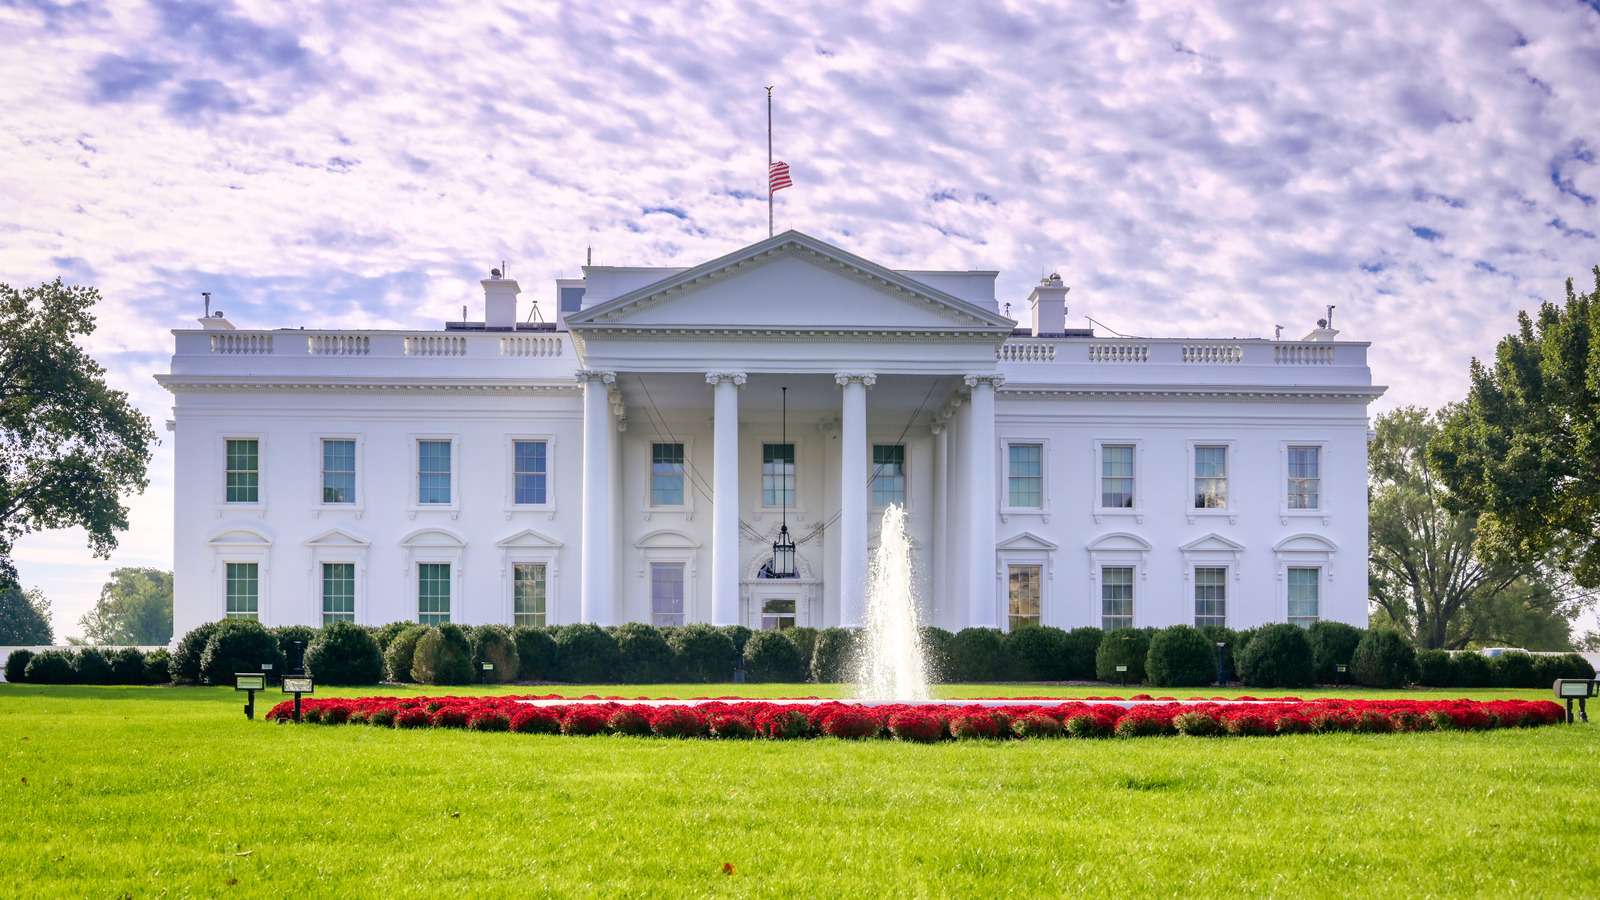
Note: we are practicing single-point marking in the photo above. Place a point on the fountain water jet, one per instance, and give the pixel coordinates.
(890, 663)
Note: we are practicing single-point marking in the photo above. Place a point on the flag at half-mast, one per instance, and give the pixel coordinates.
(777, 177)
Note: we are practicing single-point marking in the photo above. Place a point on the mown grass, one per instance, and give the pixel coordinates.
(148, 790)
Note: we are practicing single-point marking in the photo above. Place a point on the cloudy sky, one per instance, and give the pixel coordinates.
(1191, 168)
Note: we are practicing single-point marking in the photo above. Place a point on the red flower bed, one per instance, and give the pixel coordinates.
(734, 718)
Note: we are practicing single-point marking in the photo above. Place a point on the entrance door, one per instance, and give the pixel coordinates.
(777, 613)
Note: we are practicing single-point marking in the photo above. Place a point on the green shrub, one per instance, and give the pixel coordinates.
(1180, 656)
(976, 654)
(770, 656)
(1384, 659)
(588, 654)
(158, 666)
(127, 666)
(1277, 656)
(402, 650)
(1471, 669)
(443, 656)
(1242, 639)
(806, 640)
(238, 645)
(17, 664)
(344, 653)
(1229, 639)
(1035, 653)
(1575, 666)
(1122, 647)
(385, 634)
(1434, 669)
(701, 654)
(1547, 669)
(646, 657)
(289, 635)
(91, 665)
(494, 644)
(50, 667)
(833, 656)
(185, 664)
(1081, 647)
(738, 634)
(936, 652)
(1332, 644)
(536, 650)
(1514, 669)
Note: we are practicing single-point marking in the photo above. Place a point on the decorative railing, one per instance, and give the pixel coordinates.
(338, 344)
(531, 346)
(1212, 353)
(1302, 354)
(436, 346)
(1026, 352)
(241, 344)
(1119, 353)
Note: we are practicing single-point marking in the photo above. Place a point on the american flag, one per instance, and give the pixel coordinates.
(778, 177)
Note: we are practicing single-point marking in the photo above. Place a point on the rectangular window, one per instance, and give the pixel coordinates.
(777, 474)
(1211, 478)
(777, 614)
(1305, 477)
(1116, 476)
(529, 471)
(433, 593)
(1210, 596)
(1026, 476)
(338, 471)
(1024, 596)
(243, 590)
(1303, 585)
(244, 471)
(338, 592)
(666, 594)
(666, 474)
(888, 475)
(1116, 597)
(527, 585)
(433, 471)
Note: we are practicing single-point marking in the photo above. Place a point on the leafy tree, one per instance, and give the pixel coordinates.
(135, 608)
(1426, 576)
(24, 617)
(1523, 451)
(70, 446)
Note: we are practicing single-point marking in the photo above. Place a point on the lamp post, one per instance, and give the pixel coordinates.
(1222, 674)
(783, 548)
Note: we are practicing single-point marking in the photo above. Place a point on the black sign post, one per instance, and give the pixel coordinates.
(484, 670)
(1123, 671)
(249, 682)
(1338, 673)
(1579, 689)
(298, 687)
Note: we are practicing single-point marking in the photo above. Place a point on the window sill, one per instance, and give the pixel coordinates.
(318, 509)
(1284, 515)
(453, 509)
(260, 509)
(548, 510)
(1006, 512)
(1136, 513)
(1232, 515)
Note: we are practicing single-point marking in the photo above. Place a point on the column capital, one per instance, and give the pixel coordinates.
(587, 375)
(865, 378)
(737, 378)
(993, 379)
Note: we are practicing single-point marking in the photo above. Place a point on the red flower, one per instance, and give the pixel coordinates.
(915, 725)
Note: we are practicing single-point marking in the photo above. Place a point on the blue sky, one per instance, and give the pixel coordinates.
(1191, 168)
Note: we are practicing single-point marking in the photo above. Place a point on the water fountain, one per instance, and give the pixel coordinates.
(890, 662)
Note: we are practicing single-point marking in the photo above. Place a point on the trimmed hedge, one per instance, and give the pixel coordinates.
(702, 654)
(1514, 669)
(402, 650)
(976, 654)
(344, 653)
(50, 667)
(936, 652)
(443, 656)
(1471, 670)
(1384, 659)
(91, 665)
(1081, 646)
(772, 656)
(536, 651)
(185, 665)
(17, 664)
(127, 666)
(646, 656)
(1122, 647)
(1229, 639)
(1035, 653)
(1333, 644)
(833, 655)
(493, 644)
(1277, 656)
(1434, 669)
(238, 645)
(1180, 656)
(157, 667)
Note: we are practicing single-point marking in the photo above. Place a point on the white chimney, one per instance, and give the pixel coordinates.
(500, 302)
(1048, 304)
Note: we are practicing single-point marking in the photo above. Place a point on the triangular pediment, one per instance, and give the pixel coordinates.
(1212, 543)
(1026, 541)
(787, 282)
(337, 537)
(530, 539)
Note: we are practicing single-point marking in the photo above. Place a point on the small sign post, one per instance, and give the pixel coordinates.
(1579, 689)
(250, 683)
(266, 670)
(298, 686)
(484, 670)
(1338, 673)
(1123, 671)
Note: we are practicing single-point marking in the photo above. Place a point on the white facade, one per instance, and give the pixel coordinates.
(1019, 449)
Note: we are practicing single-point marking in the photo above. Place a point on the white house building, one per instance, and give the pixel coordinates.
(635, 459)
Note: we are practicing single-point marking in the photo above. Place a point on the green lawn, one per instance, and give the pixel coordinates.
(146, 791)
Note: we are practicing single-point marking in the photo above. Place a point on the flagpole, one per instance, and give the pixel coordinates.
(769, 160)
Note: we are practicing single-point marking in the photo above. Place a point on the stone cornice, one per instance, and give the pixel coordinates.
(179, 384)
(1335, 393)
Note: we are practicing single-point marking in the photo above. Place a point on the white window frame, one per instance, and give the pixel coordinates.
(1137, 510)
(530, 547)
(1003, 487)
(1028, 549)
(1229, 512)
(1192, 581)
(906, 451)
(338, 546)
(687, 508)
(358, 503)
(433, 545)
(1321, 582)
(1322, 512)
(666, 546)
(1119, 548)
(414, 467)
(220, 491)
(241, 545)
(1305, 551)
(509, 502)
(797, 509)
(1137, 617)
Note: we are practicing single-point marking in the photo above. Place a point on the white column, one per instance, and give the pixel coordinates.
(982, 603)
(853, 499)
(941, 522)
(596, 590)
(725, 497)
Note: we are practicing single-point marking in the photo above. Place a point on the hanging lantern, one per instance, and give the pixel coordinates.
(783, 555)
